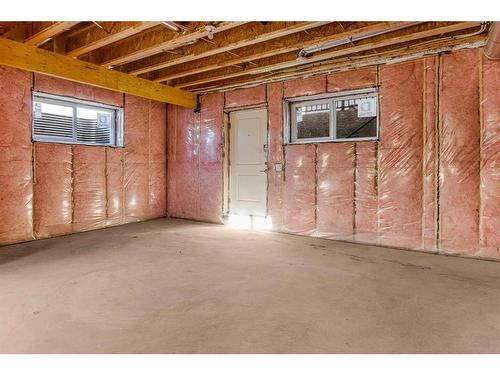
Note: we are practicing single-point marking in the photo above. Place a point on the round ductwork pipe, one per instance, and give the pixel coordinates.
(492, 47)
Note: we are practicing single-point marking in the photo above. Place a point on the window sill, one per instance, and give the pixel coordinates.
(306, 142)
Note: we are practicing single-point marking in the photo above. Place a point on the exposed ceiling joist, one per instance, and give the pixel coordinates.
(254, 39)
(174, 42)
(345, 63)
(110, 32)
(49, 32)
(287, 45)
(334, 54)
(22, 56)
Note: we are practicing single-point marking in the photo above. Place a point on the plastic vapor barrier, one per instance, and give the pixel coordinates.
(195, 160)
(89, 188)
(490, 167)
(366, 193)
(114, 186)
(157, 160)
(210, 158)
(352, 79)
(16, 193)
(400, 154)
(136, 165)
(430, 159)
(245, 97)
(182, 165)
(430, 183)
(459, 152)
(335, 190)
(305, 86)
(275, 179)
(51, 189)
(58, 86)
(299, 200)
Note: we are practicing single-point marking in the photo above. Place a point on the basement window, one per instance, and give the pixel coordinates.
(59, 119)
(344, 116)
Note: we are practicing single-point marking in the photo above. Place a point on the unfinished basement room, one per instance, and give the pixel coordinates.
(252, 187)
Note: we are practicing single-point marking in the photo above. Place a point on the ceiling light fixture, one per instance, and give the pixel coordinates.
(171, 25)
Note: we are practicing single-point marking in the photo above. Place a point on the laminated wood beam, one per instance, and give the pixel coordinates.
(49, 32)
(438, 31)
(226, 47)
(100, 37)
(171, 43)
(22, 56)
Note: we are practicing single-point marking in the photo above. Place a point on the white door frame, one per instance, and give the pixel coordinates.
(227, 155)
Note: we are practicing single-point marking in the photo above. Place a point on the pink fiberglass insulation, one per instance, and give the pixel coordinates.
(245, 97)
(89, 188)
(305, 86)
(58, 86)
(459, 152)
(366, 193)
(299, 196)
(157, 160)
(136, 172)
(210, 158)
(275, 156)
(74, 187)
(490, 168)
(195, 160)
(335, 190)
(16, 194)
(114, 185)
(182, 165)
(352, 79)
(390, 194)
(429, 215)
(53, 190)
(400, 154)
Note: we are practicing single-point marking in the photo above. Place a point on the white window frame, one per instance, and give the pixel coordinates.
(116, 135)
(293, 117)
(290, 104)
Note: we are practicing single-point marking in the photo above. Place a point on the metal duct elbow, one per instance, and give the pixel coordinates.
(492, 47)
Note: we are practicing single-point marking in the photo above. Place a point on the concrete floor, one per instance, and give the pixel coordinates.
(174, 286)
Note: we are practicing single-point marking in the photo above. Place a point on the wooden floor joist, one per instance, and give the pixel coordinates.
(26, 57)
(232, 46)
(164, 63)
(287, 47)
(169, 44)
(351, 63)
(49, 32)
(98, 37)
(331, 55)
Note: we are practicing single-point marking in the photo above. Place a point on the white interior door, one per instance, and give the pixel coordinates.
(248, 162)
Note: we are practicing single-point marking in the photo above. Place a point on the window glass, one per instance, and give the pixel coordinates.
(94, 126)
(52, 121)
(67, 120)
(356, 118)
(313, 120)
(343, 116)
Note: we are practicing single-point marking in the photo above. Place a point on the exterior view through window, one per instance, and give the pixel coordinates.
(339, 117)
(66, 120)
